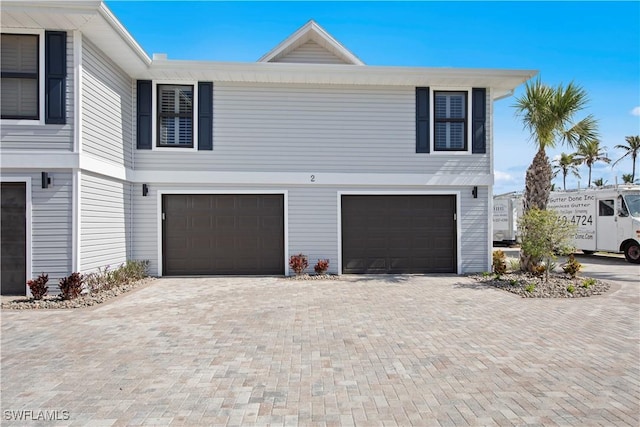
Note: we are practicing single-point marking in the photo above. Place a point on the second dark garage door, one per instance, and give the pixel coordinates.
(223, 234)
(399, 234)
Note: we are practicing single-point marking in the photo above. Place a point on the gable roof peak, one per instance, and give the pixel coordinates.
(311, 31)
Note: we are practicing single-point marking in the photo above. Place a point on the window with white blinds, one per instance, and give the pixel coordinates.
(175, 116)
(450, 125)
(19, 76)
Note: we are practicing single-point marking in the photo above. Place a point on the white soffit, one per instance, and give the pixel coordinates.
(311, 31)
(92, 18)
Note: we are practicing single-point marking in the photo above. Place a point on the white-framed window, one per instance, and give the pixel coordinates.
(22, 69)
(450, 120)
(175, 118)
(175, 115)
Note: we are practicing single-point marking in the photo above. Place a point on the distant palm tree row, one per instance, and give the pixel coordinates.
(590, 152)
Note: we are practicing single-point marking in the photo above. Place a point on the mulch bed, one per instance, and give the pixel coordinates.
(558, 286)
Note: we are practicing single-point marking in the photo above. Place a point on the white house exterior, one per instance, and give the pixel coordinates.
(231, 168)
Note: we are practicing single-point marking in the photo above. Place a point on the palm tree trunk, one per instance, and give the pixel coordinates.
(564, 181)
(538, 182)
(589, 176)
(633, 171)
(536, 196)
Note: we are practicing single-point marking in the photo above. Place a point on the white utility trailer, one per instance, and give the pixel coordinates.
(507, 208)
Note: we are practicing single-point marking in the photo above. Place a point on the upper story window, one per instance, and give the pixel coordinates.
(170, 115)
(175, 116)
(20, 65)
(450, 121)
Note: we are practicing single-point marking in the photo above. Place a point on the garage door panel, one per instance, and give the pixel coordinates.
(228, 222)
(223, 234)
(398, 234)
(249, 222)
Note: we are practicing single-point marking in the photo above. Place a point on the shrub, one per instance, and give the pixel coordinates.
(539, 270)
(514, 264)
(321, 266)
(513, 282)
(39, 286)
(544, 234)
(298, 263)
(499, 263)
(71, 286)
(588, 282)
(571, 289)
(486, 274)
(572, 267)
(105, 279)
(530, 288)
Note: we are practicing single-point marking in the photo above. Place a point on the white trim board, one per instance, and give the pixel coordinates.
(159, 193)
(456, 193)
(310, 178)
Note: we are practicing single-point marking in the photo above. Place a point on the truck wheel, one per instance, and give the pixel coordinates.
(632, 252)
(586, 252)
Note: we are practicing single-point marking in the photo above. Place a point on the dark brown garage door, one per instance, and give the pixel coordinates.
(398, 234)
(13, 237)
(223, 234)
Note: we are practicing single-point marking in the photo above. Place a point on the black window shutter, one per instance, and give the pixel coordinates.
(55, 76)
(205, 116)
(422, 120)
(143, 121)
(479, 119)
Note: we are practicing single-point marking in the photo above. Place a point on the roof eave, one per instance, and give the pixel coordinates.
(501, 81)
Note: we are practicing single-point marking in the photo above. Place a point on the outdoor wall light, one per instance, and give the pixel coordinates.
(46, 180)
(145, 190)
(475, 192)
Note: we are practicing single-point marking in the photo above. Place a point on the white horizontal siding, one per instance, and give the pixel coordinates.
(45, 137)
(51, 230)
(106, 108)
(313, 221)
(104, 222)
(144, 227)
(313, 225)
(313, 129)
(310, 53)
(474, 237)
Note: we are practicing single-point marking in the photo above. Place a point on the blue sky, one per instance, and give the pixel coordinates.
(595, 44)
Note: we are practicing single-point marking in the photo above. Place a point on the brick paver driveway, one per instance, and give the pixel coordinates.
(410, 350)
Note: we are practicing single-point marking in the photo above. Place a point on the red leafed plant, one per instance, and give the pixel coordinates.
(71, 286)
(298, 263)
(321, 266)
(38, 286)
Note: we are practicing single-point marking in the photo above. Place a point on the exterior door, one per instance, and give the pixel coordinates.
(13, 237)
(606, 229)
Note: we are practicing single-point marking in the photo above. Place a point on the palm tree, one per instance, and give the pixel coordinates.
(590, 152)
(600, 182)
(631, 149)
(548, 113)
(627, 178)
(566, 164)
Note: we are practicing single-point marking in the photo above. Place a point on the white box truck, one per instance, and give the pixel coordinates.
(608, 218)
(507, 208)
